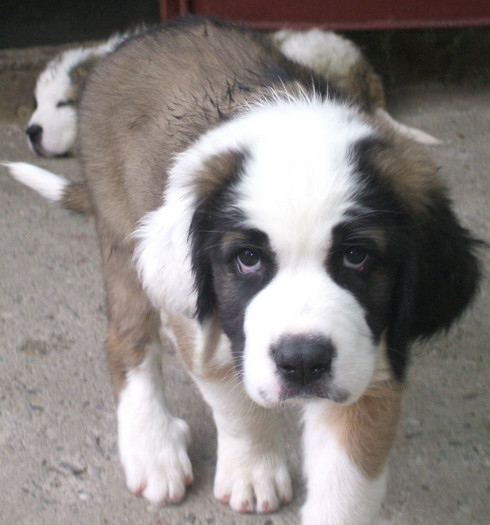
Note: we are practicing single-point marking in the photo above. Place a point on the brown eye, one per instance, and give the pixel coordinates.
(248, 261)
(355, 258)
(34, 102)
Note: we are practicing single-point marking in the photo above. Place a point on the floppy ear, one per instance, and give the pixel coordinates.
(438, 279)
(214, 212)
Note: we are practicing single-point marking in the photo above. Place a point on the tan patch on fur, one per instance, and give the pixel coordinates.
(216, 171)
(200, 361)
(363, 86)
(76, 197)
(133, 323)
(79, 75)
(407, 168)
(367, 427)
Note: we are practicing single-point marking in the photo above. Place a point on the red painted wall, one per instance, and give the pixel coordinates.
(338, 14)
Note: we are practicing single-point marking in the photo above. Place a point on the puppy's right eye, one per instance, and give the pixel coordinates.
(34, 102)
(248, 261)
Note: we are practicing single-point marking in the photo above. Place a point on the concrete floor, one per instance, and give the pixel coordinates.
(58, 453)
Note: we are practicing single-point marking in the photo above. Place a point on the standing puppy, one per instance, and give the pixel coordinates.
(292, 246)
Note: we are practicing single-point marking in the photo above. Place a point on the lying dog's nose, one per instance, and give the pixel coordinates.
(303, 359)
(34, 132)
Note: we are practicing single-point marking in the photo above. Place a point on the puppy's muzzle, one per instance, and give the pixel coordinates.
(303, 360)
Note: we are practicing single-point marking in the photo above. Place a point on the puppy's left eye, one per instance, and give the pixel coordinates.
(355, 258)
(248, 261)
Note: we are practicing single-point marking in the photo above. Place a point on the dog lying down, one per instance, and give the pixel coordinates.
(290, 243)
(51, 130)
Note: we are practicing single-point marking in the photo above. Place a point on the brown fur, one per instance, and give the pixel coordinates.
(362, 85)
(127, 149)
(76, 197)
(143, 106)
(215, 171)
(367, 428)
(407, 169)
(133, 323)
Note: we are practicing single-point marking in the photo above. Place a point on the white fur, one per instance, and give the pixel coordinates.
(334, 56)
(152, 443)
(54, 85)
(162, 256)
(338, 492)
(251, 472)
(324, 51)
(303, 300)
(298, 184)
(47, 184)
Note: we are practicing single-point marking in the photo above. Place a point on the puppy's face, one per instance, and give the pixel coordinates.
(51, 130)
(302, 267)
(320, 246)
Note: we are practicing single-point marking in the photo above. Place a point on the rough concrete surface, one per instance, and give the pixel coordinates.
(58, 453)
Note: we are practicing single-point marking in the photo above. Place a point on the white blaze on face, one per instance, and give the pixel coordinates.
(297, 186)
(56, 118)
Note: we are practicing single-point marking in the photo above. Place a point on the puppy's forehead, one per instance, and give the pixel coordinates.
(299, 179)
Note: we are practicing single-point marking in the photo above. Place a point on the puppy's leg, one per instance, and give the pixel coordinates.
(251, 471)
(152, 443)
(345, 452)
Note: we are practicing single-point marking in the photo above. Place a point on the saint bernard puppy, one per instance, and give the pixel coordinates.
(52, 128)
(289, 243)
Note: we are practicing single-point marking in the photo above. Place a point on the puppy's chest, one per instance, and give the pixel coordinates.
(204, 349)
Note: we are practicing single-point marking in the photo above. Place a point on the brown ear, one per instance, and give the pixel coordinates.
(213, 186)
(439, 273)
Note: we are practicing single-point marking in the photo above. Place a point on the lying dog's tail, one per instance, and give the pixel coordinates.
(73, 196)
(412, 133)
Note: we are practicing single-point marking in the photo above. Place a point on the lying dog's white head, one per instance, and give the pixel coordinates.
(51, 130)
(314, 240)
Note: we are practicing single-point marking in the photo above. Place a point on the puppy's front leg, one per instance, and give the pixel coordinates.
(251, 472)
(152, 442)
(345, 453)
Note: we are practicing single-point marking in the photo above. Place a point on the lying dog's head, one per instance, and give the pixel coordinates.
(317, 241)
(52, 128)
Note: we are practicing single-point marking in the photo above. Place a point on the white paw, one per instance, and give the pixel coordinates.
(250, 482)
(152, 443)
(155, 459)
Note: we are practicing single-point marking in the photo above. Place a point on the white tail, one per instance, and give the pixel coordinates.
(49, 185)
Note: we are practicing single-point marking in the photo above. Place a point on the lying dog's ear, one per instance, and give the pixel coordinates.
(438, 279)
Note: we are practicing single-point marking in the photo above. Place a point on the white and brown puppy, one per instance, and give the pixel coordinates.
(52, 128)
(291, 245)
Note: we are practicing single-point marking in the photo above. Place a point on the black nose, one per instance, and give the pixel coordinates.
(34, 132)
(302, 359)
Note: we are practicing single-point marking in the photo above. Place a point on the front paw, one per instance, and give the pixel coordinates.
(155, 460)
(252, 482)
